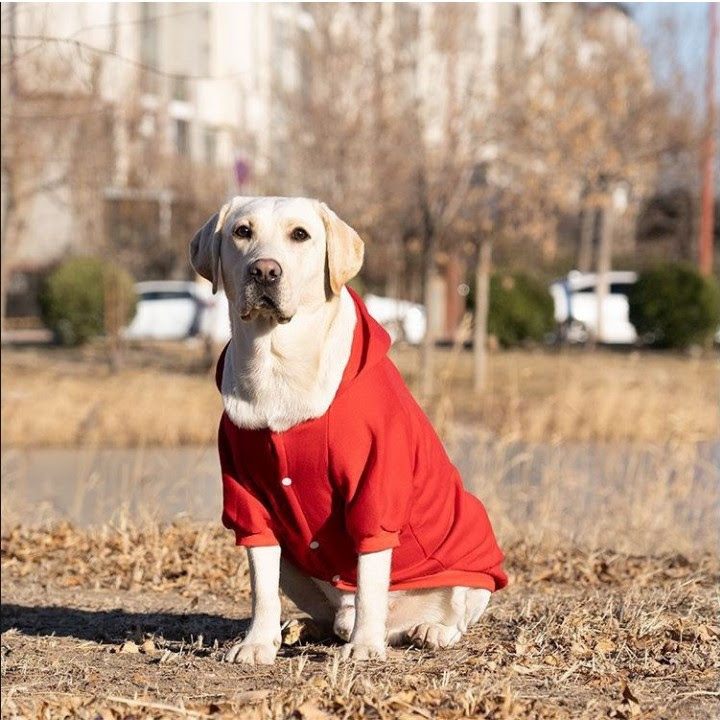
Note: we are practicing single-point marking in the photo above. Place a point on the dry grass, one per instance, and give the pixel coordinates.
(578, 634)
(165, 396)
(612, 609)
(666, 499)
(579, 395)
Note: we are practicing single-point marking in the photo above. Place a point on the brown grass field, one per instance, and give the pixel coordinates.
(612, 610)
(163, 397)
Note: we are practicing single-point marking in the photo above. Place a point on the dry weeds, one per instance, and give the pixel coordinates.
(124, 621)
(578, 634)
(163, 397)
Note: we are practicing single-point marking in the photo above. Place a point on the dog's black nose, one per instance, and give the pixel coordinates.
(265, 271)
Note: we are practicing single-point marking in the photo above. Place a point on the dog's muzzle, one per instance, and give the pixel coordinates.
(262, 291)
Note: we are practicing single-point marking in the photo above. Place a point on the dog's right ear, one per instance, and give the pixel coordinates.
(205, 247)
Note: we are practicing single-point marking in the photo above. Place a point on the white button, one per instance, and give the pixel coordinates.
(335, 578)
(286, 482)
(314, 545)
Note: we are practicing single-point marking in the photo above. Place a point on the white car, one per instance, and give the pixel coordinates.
(404, 320)
(215, 321)
(178, 309)
(576, 308)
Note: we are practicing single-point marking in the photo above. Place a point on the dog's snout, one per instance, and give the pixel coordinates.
(265, 271)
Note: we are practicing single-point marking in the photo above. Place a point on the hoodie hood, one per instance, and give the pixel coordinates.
(370, 345)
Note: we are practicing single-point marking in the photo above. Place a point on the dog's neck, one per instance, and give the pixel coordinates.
(276, 376)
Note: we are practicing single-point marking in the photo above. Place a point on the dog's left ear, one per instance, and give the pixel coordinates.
(205, 247)
(345, 250)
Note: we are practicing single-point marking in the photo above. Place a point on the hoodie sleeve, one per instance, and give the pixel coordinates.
(243, 511)
(373, 466)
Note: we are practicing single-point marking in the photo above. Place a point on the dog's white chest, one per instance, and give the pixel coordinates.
(278, 394)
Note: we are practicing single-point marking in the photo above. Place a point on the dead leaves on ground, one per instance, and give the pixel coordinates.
(578, 634)
(191, 559)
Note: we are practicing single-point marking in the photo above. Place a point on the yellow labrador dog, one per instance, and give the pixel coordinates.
(370, 569)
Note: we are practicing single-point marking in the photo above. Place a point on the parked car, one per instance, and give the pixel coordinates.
(215, 321)
(576, 308)
(404, 320)
(178, 309)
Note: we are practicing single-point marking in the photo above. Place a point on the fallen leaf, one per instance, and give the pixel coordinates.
(309, 711)
(604, 645)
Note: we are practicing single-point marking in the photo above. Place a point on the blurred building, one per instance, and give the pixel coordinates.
(121, 117)
(125, 124)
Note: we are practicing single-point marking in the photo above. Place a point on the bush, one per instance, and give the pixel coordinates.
(72, 298)
(521, 309)
(674, 306)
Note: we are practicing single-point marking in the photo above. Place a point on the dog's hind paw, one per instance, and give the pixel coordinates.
(362, 651)
(344, 622)
(434, 635)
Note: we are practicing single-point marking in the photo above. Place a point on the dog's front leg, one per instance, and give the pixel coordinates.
(261, 644)
(371, 607)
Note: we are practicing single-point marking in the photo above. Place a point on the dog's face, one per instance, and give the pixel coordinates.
(276, 256)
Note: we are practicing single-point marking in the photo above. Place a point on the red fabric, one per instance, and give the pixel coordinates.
(369, 474)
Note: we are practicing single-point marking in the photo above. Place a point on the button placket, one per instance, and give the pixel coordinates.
(288, 486)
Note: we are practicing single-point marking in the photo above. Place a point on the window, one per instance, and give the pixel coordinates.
(167, 295)
(149, 48)
(180, 88)
(210, 146)
(620, 288)
(148, 36)
(182, 137)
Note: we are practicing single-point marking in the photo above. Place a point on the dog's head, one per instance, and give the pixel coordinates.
(276, 255)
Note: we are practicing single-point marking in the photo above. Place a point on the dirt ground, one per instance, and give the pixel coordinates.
(122, 622)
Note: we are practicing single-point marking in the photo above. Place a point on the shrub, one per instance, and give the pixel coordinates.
(674, 306)
(521, 309)
(72, 298)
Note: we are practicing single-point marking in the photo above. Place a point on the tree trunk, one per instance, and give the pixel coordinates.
(427, 367)
(4, 278)
(482, 307)
(113, 314)
(587, 230)
(7, 243)
(603, 268)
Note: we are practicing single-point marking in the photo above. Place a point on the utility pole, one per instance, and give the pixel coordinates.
(707, 202)
(9, 231)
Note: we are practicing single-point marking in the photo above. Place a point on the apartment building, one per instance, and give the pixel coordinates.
(124, 124)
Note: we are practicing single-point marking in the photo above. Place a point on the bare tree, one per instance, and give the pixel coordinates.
(53, 144)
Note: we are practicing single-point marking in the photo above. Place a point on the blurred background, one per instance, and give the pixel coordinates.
(534, 183)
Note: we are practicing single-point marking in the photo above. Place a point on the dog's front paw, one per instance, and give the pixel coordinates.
(249, 653)
(362, 651)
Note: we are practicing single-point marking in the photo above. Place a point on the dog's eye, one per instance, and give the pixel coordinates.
(242, 231)
(299, 234)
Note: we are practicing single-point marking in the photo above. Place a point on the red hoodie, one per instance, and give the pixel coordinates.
(369, 474)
